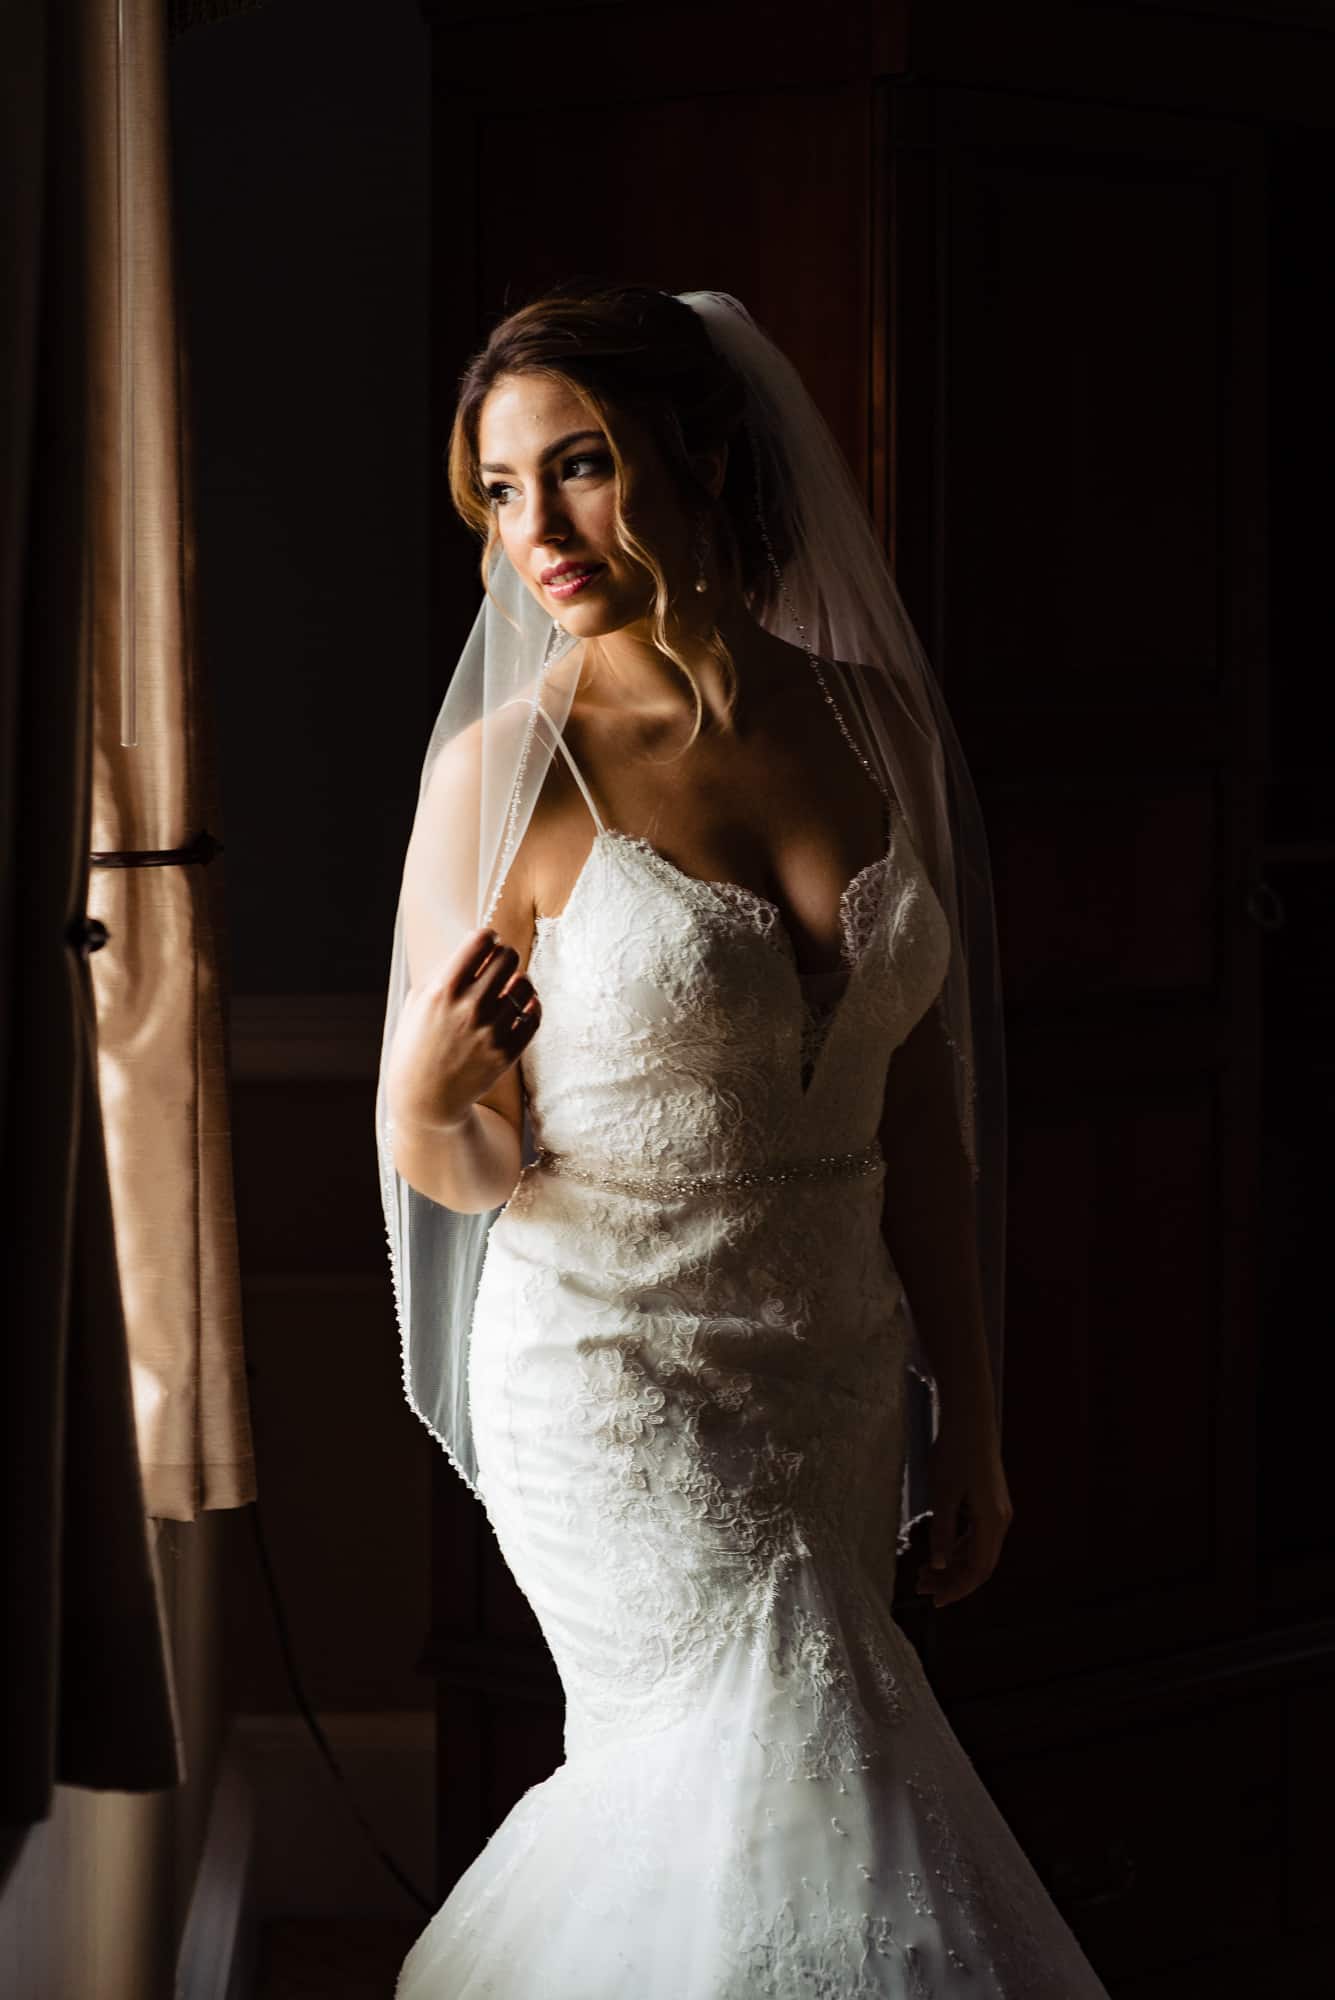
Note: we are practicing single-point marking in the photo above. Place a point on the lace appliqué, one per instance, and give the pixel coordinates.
(859, 907)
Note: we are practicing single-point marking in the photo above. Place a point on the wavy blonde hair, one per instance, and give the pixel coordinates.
(630, 350)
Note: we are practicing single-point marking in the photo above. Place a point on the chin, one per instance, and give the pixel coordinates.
(594, 621)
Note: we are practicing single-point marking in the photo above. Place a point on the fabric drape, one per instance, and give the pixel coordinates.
(88, 1692)
(118, 1282)
(161, 1045)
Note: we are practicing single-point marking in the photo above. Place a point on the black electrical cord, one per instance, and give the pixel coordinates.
(312, 1721)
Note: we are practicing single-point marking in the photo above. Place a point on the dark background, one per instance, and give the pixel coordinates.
(301, 136)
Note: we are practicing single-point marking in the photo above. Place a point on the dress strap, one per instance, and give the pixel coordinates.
(577, 774)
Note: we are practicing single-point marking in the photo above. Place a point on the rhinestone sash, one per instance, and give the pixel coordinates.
(823, 1166)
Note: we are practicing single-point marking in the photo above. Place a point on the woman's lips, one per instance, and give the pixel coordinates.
(574, 580)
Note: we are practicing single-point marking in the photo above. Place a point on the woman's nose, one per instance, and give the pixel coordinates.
(547, 519)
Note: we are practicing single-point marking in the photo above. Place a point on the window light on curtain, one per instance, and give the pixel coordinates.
(154, 886)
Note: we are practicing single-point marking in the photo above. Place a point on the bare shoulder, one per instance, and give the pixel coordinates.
(457, 766)
(441, 882)
(798, 706)
(784, 678)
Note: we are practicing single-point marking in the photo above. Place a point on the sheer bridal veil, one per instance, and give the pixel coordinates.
(825, 583)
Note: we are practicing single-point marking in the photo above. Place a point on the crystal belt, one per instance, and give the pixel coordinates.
(824, 1166)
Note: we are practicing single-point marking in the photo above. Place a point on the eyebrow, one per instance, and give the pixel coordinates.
(552, 451)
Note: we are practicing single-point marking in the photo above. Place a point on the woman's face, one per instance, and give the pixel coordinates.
(550, 480)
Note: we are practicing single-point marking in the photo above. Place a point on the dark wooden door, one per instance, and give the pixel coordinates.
(1077, 358)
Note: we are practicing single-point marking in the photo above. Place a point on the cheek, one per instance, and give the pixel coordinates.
(597, 519)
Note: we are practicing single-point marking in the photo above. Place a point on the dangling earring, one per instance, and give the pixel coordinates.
(701, 555)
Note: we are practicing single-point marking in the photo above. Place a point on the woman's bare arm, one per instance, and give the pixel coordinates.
(470, 1167)
(467, 1155)
(928, 1219)
(456, 1095)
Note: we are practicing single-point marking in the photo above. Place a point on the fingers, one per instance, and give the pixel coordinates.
(480, 968)
(519, 992)
(466, 961)
(489, 999)
(517, 1007)
(504, 998)
(944, 1531)
(525, 1024)
(969, 1560)
(943, 1586)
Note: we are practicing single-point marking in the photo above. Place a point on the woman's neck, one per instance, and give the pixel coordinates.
(628, 669)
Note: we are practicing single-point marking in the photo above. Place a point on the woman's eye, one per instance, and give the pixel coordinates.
(599, 460)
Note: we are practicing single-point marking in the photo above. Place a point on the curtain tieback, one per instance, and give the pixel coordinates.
(88, 934)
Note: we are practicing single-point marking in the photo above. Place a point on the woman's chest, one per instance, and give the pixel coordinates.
(649, 971)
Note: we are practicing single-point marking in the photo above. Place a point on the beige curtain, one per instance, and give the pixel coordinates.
(89, 1698)
(122, 1386)
(155, 885)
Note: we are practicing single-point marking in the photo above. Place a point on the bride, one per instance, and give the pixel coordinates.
(690, 1125)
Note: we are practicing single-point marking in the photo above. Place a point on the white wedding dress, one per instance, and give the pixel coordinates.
(687, 1402)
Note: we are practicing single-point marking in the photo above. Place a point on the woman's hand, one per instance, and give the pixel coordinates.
(459, 1033)
(964, 1470)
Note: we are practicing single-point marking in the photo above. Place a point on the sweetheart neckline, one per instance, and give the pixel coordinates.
(831, 1014)
(722, 890)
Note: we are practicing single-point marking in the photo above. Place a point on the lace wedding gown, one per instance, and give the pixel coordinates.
(687, 1382)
